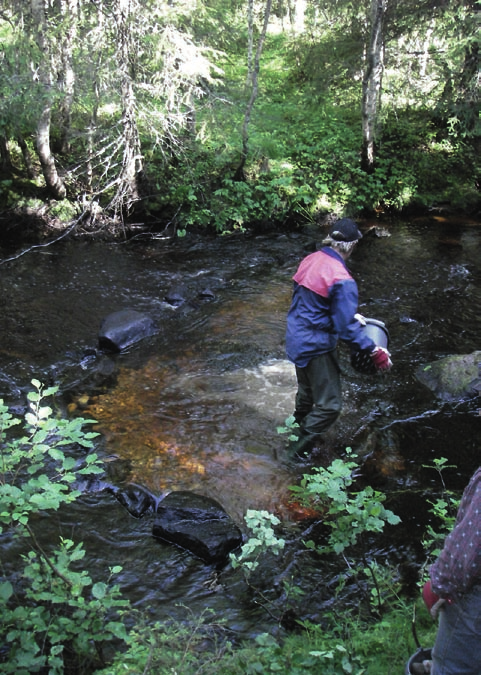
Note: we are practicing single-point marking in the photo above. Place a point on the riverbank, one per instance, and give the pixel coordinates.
(43, 222)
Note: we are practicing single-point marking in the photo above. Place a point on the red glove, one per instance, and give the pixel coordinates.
(381, 358)
(429, 596)
(432, 601)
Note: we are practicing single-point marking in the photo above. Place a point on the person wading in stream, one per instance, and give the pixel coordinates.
(454, 592)
(324, 311)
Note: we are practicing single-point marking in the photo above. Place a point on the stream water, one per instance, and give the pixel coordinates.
(197, 405)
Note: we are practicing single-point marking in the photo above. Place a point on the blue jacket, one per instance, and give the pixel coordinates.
(324, 302)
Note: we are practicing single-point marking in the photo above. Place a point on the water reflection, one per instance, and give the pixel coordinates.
(188, 427)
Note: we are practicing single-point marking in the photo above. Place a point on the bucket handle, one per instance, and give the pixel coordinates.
(413, 629)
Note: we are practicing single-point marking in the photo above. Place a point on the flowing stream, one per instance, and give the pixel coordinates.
(196, 406)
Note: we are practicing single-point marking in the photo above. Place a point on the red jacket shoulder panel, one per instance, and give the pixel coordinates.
(319, 272)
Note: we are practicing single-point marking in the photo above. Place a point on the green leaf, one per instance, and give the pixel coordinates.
(99, 590)
(118, 629)
(6, 591)
(56, 454)
(31, 419)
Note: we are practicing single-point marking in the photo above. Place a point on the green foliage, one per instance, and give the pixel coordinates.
(20, 94)
(218, 202)
(59, 618)
(295, 177)
(444, 510)
(305, 127)
(201, 645)
(290, 427)
(271, 657)
(192, 646)
(64, 210)
(52, 614)
(344, 643)
(25, 484)
(263, 539)
(349, 514)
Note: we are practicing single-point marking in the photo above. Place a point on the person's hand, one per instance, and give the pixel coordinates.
(381, 358)
(360, 318)
(432, 601)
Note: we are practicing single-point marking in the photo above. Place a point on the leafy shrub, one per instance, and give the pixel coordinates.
(348, 514)
(52, 614)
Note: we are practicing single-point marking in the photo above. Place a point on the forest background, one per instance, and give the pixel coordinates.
(228, 114)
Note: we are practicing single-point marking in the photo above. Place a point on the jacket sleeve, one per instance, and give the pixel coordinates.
(344, 304)
(458, 567)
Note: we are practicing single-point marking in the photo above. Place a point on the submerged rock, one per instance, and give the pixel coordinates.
(124, 328)
(453, 378)
(136, 499)
(198, 524)
(176, 295)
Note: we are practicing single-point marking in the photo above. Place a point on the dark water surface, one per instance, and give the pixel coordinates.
(197, 405)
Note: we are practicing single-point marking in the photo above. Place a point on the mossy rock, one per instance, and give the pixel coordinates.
(453, 378)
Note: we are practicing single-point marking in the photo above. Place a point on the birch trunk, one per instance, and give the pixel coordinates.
(250, 41)
(239, 175)
(372, 85)
(66, 77)
(45, 74)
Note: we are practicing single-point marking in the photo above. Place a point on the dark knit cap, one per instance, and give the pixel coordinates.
(345, 230)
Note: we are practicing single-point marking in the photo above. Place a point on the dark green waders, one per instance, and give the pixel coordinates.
(318, 401)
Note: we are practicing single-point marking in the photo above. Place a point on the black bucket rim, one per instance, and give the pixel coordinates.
(361, 358)
(375, 322)
(422, 654)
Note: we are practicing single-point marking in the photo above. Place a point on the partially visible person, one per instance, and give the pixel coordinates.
(454, 592)
(323, 311)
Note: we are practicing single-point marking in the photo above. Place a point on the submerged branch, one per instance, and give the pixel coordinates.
(66, 232)
(45, 557)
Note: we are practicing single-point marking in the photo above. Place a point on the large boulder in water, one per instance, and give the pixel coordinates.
(124, 328)
(453, 378)
(198, 524)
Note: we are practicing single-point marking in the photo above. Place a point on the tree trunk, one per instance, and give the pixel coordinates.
(250, 42)
(128, 180)
(468, 89)
(66, 76)
(371, 85)
(6, 160)
(27, 159)
(297, 11)
(95, 47)
(47, 160)
(91, 131)
(239, 174)
(45, 74)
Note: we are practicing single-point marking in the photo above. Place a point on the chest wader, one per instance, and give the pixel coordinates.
(318, 401)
